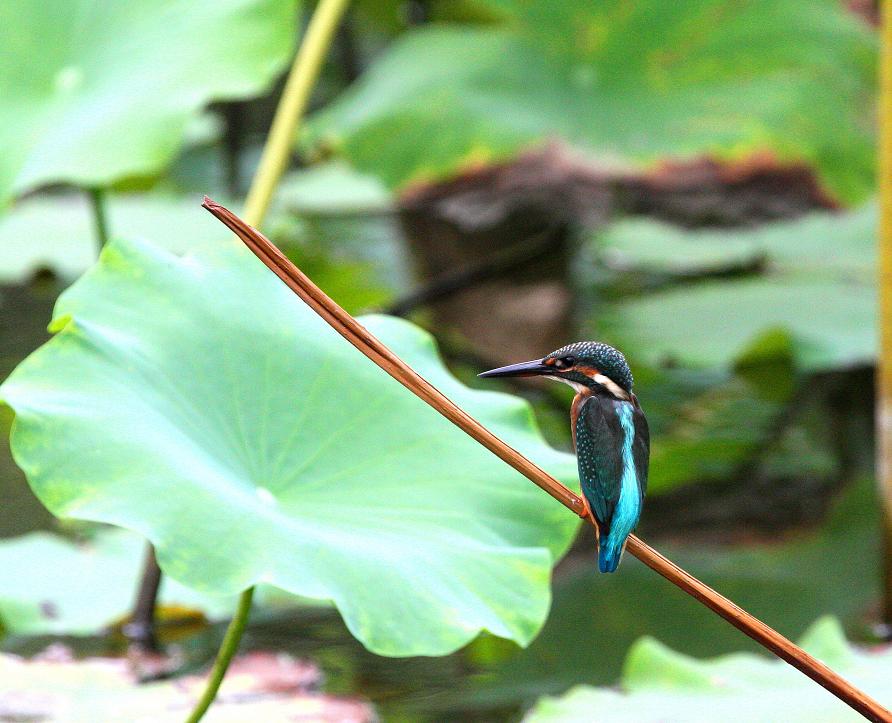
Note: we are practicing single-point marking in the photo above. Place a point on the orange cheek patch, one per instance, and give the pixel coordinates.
(588, 371)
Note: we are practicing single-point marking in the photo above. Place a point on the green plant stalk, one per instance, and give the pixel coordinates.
(100, 220)
(276, 153)
(884, 361)
(224, 655)
(295, 96)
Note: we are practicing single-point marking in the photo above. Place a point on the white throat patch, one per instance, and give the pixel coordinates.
(576, 385)
(611, 386)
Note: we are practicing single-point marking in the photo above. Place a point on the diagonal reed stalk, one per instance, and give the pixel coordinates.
(359, 337)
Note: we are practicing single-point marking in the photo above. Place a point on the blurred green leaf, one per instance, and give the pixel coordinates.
(715, 426)
(51, 585)
(357, 285)
(393, 16)
(643, 246)
(710, 324)
(92, 585)
(55, 233)
(334, 188)
(818, 288)
(712, 434)
(98, 91)
(840, 245)
(343, 231)
(628, 82)
(197, 401)
(756, 362)
(660, 684)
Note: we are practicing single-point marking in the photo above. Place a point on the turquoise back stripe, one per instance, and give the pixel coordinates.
(628, 506)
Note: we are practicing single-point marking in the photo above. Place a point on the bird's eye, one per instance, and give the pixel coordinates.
(564, 362)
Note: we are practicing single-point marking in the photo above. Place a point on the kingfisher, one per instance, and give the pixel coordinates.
(610, 436)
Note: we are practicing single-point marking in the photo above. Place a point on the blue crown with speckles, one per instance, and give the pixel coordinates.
(609, 361)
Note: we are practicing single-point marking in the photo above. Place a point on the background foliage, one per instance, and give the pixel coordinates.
(715, 77)
(691, 182)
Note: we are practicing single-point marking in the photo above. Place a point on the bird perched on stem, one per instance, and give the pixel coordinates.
(610, 435)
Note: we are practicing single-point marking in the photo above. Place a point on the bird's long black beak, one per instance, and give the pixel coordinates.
(524, 369)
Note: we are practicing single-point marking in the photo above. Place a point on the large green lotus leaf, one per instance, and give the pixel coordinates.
(50, 585)
(197, 401)
(96, 91)
(660, 684)
(634, 81)
(818, 288)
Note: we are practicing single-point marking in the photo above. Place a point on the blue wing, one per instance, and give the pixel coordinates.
(612, 450)
(599, 439)
(640, 445)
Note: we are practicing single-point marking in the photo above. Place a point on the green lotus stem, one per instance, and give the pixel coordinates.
(297, 91)
(224, 656)
(100, 221)
(276, 152)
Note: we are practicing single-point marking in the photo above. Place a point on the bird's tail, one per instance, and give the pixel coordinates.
(609, 554)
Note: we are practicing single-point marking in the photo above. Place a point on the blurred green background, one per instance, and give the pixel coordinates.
(692, 182)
